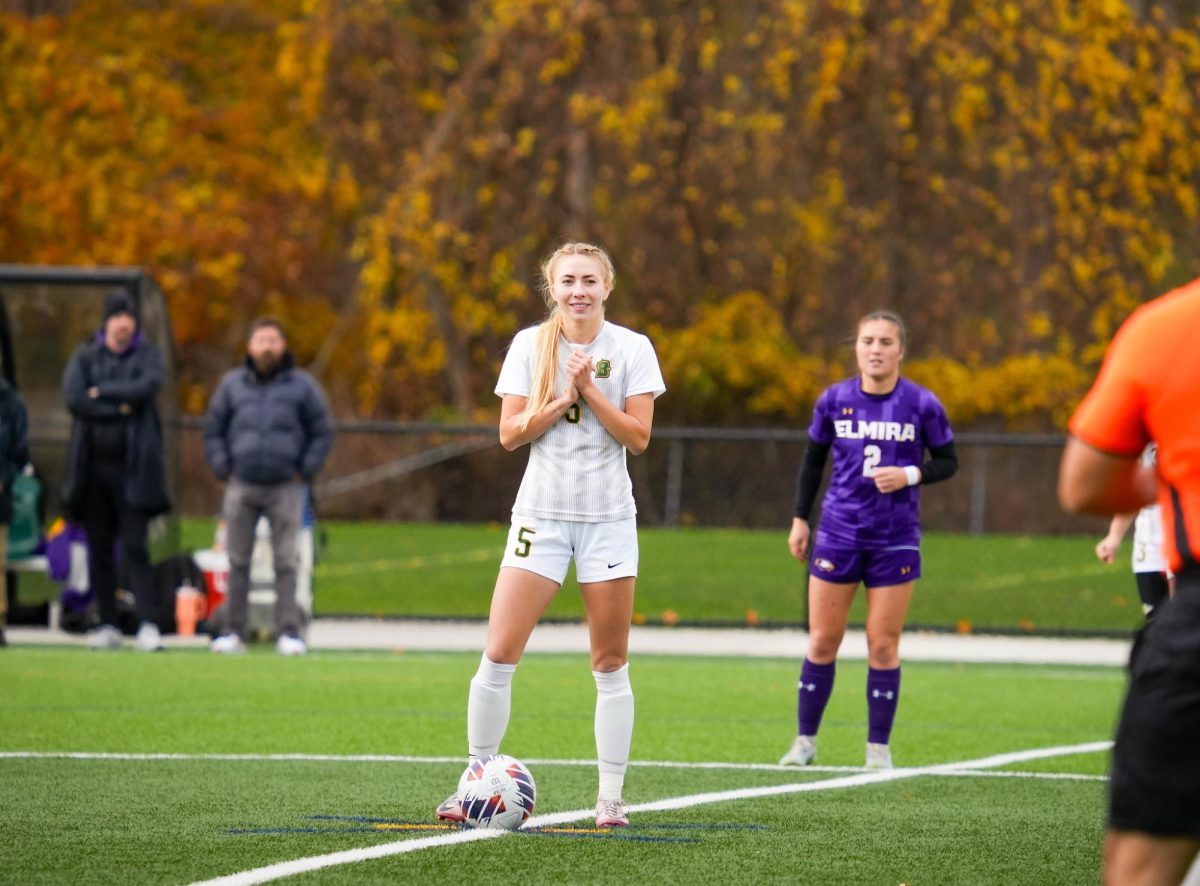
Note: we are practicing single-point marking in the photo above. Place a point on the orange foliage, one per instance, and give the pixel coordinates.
(1014, 178)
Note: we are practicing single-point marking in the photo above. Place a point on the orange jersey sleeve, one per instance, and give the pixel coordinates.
(1112, 415)
(1148, 389)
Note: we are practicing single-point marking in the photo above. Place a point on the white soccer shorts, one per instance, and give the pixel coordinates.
(602, 551)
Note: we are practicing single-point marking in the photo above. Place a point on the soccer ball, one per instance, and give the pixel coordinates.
(496, 791)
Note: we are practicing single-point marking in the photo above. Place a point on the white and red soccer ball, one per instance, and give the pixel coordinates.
(496, 791)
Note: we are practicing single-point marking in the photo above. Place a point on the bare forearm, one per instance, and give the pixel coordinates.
(1094, 482)
(513, 436)
(629, 430)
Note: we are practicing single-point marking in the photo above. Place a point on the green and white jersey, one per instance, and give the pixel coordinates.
(577, 469)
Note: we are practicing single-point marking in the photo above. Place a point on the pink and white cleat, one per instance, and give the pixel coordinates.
(451, 810)
(611, 814)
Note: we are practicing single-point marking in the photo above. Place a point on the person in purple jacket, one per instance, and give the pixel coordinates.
(878, 427)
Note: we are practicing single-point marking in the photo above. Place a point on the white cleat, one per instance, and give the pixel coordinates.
(228, 644)
(612, 814)
(802, 752)
(149, 638)
(289, 645)
(105, 637)
(879, 756)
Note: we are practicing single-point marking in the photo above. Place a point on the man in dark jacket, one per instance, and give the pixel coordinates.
(14, 454)
(266, 434)
(115, 476)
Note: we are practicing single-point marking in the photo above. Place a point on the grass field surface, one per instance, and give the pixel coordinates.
(972, 583)
(182, 766)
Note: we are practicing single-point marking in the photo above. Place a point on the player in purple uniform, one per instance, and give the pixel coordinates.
(878, 427)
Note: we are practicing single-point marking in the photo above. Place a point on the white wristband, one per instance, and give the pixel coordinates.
(913, 473)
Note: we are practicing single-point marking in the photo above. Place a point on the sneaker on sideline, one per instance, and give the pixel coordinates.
(451, 809)
(611, 814)
(228, 644)
(149, 638)
(105, 637)
(879, 756)
(289, 645)
(802, 752)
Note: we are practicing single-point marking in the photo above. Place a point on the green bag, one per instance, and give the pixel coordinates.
(25, 527)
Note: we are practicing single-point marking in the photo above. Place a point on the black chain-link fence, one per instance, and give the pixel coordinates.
(712, 477)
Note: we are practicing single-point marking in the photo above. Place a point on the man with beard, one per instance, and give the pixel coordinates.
(115, 474)
(266, 435)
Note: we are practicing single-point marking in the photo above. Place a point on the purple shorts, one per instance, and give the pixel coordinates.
(876, 568)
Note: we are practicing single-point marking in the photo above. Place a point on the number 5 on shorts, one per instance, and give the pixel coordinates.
(524, 544)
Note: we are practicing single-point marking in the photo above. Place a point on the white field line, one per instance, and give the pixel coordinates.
(350, 856)
(532, 761)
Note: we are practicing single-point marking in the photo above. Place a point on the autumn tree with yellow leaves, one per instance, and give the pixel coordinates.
(1013, 177)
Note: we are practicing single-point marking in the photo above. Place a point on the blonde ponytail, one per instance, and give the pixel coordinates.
(545, 371)
(545, 367)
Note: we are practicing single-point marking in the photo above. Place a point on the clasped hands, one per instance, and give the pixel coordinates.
(579, 375)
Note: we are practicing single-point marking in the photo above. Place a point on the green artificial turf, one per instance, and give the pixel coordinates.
(978, 583)
(192, 816)
(1014, 584)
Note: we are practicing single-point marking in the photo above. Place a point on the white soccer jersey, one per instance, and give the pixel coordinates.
(577, 469)
(1148, 554)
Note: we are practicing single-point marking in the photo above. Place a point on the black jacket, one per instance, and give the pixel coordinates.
(14, 445)
(128, 384)
(267, 429)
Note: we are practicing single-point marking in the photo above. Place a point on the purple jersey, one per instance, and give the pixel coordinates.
(868, 431)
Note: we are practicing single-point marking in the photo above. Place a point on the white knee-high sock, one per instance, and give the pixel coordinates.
(614, 728)
(488, 706)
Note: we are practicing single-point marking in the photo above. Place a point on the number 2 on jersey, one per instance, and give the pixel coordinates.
(871, 456)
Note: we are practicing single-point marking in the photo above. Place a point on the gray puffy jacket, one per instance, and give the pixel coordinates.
(267, 429)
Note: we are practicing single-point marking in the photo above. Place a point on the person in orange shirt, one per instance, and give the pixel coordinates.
(1148, 389)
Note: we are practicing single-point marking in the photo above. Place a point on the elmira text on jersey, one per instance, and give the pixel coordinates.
(849, 429)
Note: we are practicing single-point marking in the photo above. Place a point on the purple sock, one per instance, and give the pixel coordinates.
(813, 691)
(883, 694)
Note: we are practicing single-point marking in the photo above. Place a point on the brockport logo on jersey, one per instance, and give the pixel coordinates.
(603, 368)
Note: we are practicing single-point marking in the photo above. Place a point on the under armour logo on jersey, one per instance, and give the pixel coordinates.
(603, 369)
(889, 695)
(847, 410)
(810, 687)
(905, 570)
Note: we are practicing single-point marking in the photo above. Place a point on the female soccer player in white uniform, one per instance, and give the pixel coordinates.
(580, 391)
(1149, 560)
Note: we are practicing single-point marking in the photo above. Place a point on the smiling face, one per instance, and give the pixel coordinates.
(580, 287)
(879, 348)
